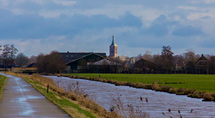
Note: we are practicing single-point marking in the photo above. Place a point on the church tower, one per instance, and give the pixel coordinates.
(113, 48)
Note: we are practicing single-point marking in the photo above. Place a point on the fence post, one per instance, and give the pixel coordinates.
(48, 88)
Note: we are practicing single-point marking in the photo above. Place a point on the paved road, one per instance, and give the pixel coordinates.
(20, 99)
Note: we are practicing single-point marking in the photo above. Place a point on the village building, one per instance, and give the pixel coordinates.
(201, 66)
(198, 67)
(190, 68)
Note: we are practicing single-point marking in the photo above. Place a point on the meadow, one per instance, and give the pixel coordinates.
(190, 81)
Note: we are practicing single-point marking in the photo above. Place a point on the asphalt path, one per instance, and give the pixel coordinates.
(20, 100)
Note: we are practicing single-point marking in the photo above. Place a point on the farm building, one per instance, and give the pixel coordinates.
(77, 62)
(201, 66)
(104, 66)
(190, 68)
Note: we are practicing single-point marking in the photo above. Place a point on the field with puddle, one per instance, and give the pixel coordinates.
(153, 104)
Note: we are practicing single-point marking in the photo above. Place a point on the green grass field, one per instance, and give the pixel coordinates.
(197, 82)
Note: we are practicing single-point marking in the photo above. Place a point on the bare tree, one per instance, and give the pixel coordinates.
(41, 63)
(147, 56)
(157, 59)
(8, 55)
(190, 56)
(167, 58)
(211, 65)
(21, 60)
(51, 63)
(179, 63)
(139, 56)
(32, 59)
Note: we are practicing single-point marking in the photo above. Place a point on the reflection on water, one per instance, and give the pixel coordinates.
(157, 105)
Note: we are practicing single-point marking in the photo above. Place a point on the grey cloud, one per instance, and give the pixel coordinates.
(186, 31)
(158, 28)
(35, 26)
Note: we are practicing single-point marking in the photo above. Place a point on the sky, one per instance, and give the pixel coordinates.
(41, 26)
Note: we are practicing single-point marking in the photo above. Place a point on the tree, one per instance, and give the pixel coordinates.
(211, 65)
(147, 56)
(21, 60)
(51, 63)
(56, 63)
(139, 56)
(190, 56)
(179, 63)
(41, 64)
(32, 59)
(167, 58)
(8, 55)
(156, 59)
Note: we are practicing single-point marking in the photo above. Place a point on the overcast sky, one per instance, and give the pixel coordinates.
(40, 26)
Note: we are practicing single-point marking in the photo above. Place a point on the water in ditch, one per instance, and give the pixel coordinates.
(153, 104)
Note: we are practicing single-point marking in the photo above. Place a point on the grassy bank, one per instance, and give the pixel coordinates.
(2, 83)
(171, 83)
(204, 83)
(75, 105)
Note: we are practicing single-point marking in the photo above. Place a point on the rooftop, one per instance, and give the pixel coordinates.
(70, 56)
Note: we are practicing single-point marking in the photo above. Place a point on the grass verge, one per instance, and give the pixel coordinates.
(76, 106)
(2, 83)
(121, 79)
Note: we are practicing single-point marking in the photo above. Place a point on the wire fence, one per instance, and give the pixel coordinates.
(191, 85)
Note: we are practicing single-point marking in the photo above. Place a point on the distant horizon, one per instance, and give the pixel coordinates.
(107, 54)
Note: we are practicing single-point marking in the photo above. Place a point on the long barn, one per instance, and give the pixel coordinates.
(77, 62)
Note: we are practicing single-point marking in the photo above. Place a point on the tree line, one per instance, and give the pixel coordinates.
(53, 62)
(171, 63)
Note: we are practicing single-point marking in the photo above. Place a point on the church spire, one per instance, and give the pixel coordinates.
(113, 48)
(113, 40)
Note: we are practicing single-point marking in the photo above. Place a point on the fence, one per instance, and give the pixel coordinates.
(191, 85)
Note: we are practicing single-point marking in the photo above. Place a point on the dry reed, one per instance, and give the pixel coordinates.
(75, 96)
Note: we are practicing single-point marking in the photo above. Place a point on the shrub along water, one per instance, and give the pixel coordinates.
(155, 86)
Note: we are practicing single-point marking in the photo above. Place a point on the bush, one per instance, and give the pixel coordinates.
(156, 87)
(165, 88)
(172, 90)
(208, 97)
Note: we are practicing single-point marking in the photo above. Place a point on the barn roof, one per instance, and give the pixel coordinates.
(201, 60)
(70, 57)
